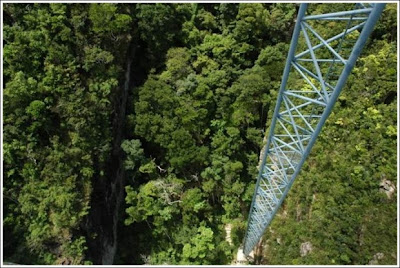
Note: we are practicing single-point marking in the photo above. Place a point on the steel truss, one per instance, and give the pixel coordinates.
(311, 83)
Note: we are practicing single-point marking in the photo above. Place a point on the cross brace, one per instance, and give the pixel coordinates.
(322, 67)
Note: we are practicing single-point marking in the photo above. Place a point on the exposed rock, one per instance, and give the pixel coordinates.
(146, 259)
(375, 260)
(228, 229)
(64, 261)
(305, 248)
(314, 198)
(240, 258)
(262, 153)
(387, 187)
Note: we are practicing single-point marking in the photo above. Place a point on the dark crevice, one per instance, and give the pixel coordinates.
(390, 97)
(108, 191)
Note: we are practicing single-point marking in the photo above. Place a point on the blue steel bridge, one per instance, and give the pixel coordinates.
(316, 70)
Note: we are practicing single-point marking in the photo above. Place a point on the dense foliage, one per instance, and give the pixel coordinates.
(204, 79)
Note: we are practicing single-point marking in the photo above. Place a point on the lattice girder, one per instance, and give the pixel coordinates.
(311, 83)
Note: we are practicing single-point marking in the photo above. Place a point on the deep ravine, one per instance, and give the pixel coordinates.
(108, 193)
(117, 185)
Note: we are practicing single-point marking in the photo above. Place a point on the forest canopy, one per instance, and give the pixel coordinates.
(132, 135)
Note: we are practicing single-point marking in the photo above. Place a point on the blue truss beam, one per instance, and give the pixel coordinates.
(302, 108)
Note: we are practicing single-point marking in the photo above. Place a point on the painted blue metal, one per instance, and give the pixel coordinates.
(303, 107)
(338, 14)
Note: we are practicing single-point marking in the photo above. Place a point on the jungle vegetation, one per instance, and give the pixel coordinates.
(132, 133)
